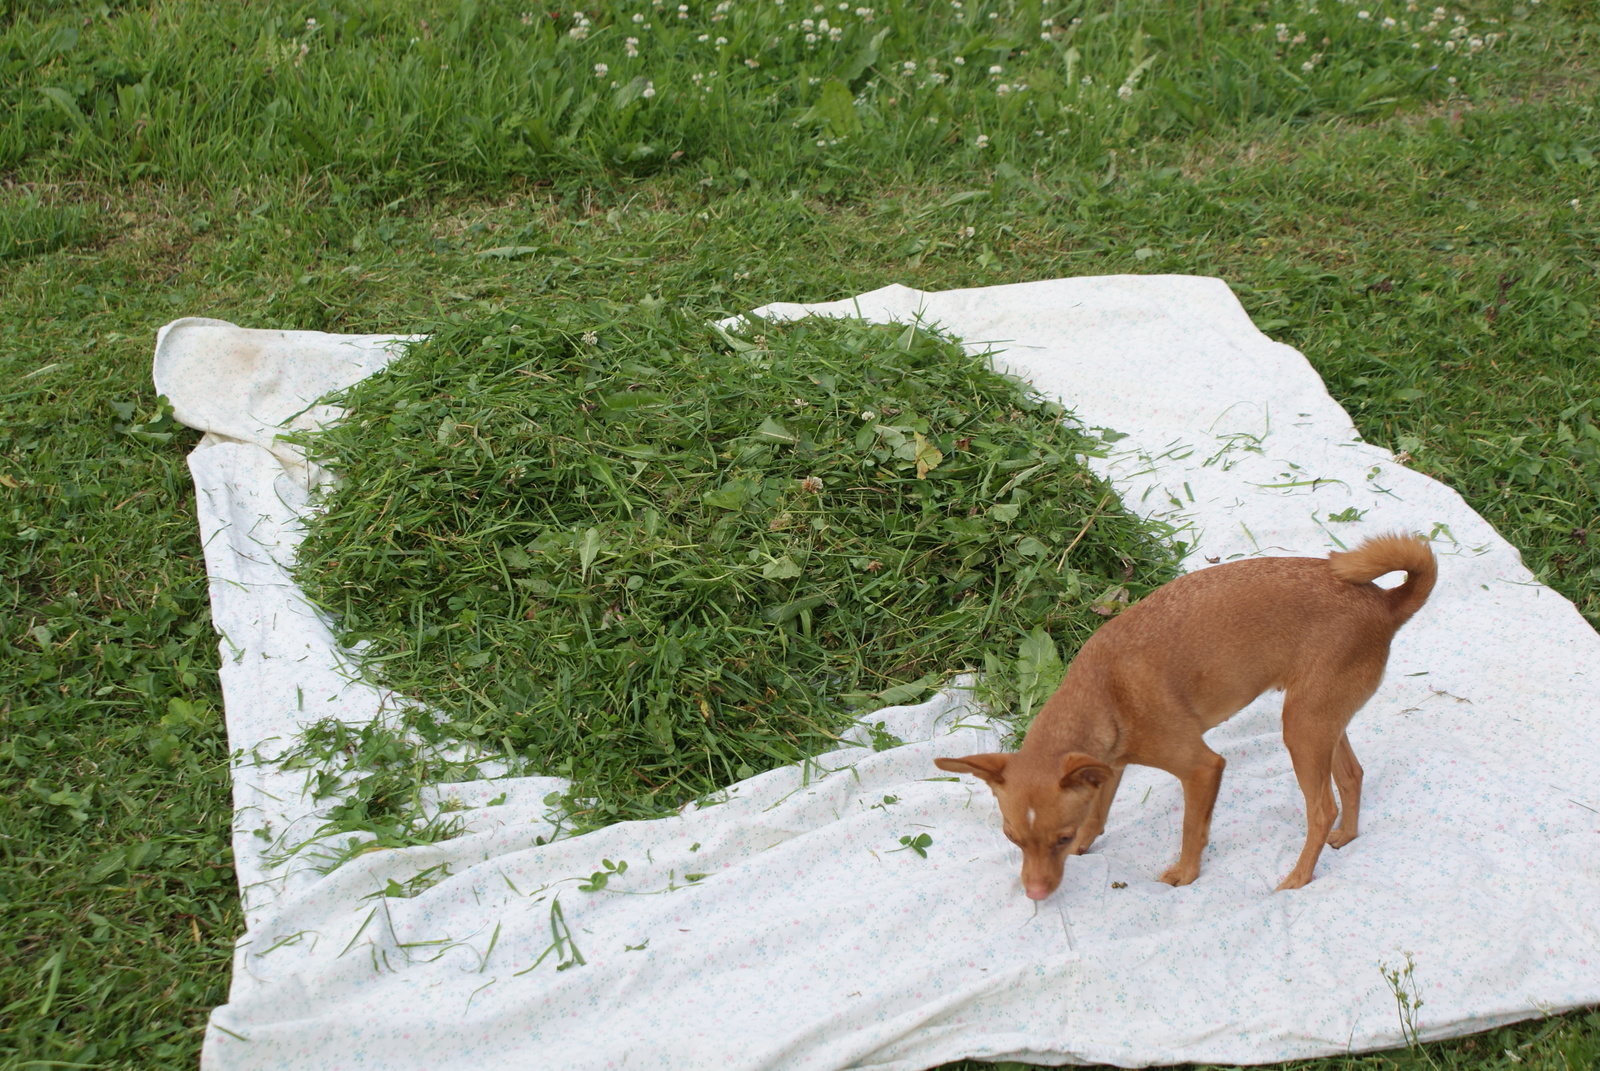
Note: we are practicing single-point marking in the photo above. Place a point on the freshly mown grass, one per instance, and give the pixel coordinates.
(657, 560)
(1430, 262)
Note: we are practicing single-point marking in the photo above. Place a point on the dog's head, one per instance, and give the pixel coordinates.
(1043, 804)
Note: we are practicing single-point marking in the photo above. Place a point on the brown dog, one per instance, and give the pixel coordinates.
(1188, 657)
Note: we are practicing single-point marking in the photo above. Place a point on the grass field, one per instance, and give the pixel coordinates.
(1421, 222)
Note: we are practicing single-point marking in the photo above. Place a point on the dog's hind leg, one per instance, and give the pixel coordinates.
(1347, 775)
(1311, 748)
(1315, 713)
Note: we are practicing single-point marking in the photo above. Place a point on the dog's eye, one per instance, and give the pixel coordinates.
(1065, 839)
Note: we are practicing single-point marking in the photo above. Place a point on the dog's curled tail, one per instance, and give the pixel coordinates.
(1387, 554)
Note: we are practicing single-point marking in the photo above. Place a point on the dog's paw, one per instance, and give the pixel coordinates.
(1177, 874)
(1338, 838)
(1295, 880)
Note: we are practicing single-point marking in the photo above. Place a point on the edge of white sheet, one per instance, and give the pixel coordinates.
(812, 942)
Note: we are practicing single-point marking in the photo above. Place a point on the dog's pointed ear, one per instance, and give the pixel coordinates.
(1080, 771)
(990, 768)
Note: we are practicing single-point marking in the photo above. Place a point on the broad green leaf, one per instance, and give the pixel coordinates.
(783, 568)
(733, 494)
(927, 456)
(781, 613)
(507, 252)
(628, 92)
(772, 431)
(1030, 547)
(899, 694)
(588, 550)
(1039, 670)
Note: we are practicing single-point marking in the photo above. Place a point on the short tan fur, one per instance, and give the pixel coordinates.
(1185, 659)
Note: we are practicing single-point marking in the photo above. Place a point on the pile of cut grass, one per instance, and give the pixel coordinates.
(626, 550)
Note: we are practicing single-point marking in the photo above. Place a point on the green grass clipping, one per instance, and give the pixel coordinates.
(657, 557)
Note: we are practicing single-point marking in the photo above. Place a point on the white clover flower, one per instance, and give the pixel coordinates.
(578, 33)
(752, 63)
(630, 47)
(1298, 39)
(721, 41)
(697, 78)
(909, 67)
(835, 32)
(591, 339)
(1451, 79)
(1047, 23)
(822, 143)
(996, 69)
(938, 78)
(311, 24)
(703, 37)
(1125, 91)
(527, 18)
(966, 232)
(1363, 14)
(649, 90)
(1086, 81)
(811, 38)
(1002, 90)
(960, 61)
(637, 18)
(823, 25)
(601, 70)
(1575, 203)
(982, 141)
(1044, 35)
(1388, 23)
(1282, 31)
(1450, 46)
(1307, 66)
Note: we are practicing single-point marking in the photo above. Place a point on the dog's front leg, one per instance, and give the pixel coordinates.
(1200, 784)
(1095, 824)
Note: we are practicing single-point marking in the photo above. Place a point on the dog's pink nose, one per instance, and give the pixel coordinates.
(1037, 892)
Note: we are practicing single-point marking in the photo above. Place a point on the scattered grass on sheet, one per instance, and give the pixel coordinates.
(1376, 243)
(624, 549)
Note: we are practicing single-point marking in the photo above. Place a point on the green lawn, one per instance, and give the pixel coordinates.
(1431, 246)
